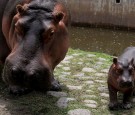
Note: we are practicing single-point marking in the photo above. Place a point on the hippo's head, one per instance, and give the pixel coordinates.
(38, 42)
(124, 72)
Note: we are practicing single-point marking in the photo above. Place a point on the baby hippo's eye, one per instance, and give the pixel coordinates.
(131, 70)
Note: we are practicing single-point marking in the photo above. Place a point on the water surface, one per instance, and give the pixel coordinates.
(108, 41)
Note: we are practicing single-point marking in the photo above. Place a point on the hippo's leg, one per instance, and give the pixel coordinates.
(55, 85)
(17, 90)
(113, 104)
(127, 100)
(4, 50)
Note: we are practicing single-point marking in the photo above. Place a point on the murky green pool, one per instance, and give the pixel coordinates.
(101, 40)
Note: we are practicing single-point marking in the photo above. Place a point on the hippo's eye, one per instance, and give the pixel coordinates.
(51, 33)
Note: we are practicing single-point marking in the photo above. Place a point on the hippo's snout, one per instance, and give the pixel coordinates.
(125, 83)
(32, 75)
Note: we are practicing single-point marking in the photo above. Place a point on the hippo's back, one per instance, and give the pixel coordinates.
(128, 53)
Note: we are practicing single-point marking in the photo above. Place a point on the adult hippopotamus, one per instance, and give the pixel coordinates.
(33, 41)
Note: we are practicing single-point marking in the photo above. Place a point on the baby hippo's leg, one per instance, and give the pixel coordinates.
(113, 104)
(127, 100)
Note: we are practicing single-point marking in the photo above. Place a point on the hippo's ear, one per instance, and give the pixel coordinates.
(132, 62)
(115, 61)
(58, 16)
(20, 9)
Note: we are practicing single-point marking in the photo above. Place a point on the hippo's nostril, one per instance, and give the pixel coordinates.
(14, 72)
(17, 74)
(31, 73)
(25, 61)
(129, 83)
(126, 84)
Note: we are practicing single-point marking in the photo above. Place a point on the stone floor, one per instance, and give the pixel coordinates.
(81, 74)
(83, 77)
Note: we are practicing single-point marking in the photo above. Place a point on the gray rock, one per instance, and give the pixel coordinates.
(88, 70)
(74, 87)
(91, 86)
(65, 62)
(62, 76)
(100, 81)
(89, 96)
(3, 110)
(99, 63)
(104, 95)
(105, 70)
(100, 75)
(94, 106)
(133, 100)
(104, 106)
(79, 75)
(79, 112)
(84, 78)
(90, 102)
(80, 63)
(91, 55)
(68, 58)
(63, 102)
(76, 54)
(2, 106)
(102, 59)
(66, 73)
(103, 89)
(59, 65)
(66, 68)
(57, 94)
(89, 82)
(104, 101)
(89, 91)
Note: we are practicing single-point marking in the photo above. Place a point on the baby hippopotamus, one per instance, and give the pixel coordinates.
(121, 77)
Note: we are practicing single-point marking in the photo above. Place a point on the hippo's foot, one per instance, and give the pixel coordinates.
(114, 106)
(127, 105)
(16, 90)
(55, 86)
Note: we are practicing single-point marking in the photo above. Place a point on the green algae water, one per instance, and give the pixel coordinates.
(108, 41)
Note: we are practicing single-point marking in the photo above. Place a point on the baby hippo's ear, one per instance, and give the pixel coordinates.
(132, 62)
(115, 61)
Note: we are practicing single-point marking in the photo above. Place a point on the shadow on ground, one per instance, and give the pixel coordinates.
(34, 103)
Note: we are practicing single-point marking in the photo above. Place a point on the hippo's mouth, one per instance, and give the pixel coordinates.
(126, 85)
(6, 74)
(41, 81)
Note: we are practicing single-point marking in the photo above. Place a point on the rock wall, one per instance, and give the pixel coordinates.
(103, 12)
